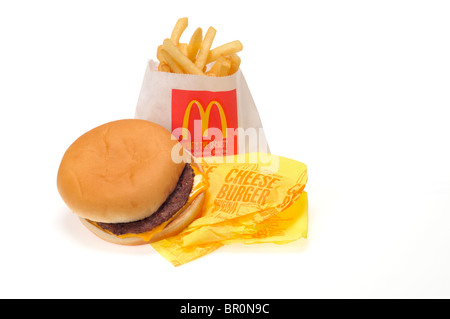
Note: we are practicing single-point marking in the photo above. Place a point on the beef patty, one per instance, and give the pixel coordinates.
(176, 200)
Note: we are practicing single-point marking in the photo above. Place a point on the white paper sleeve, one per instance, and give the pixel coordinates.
(167, 99)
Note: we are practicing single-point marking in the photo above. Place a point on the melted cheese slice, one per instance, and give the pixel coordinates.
(200, 185)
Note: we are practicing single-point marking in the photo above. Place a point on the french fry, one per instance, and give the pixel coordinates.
(203, 52)
(183, 48)
(164, 67)
(225, 66)
(194, 44)
(225, 50)
(220, 68)
(159, 55)
(235, 61)
(171, 62)
(178, 30)
(180, 59)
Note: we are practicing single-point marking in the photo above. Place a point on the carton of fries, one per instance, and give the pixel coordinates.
(197, 91)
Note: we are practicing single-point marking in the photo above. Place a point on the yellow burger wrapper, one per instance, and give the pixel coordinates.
(252, 198)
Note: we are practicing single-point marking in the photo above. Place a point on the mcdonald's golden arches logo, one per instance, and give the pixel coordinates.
(214, 109)
(205, 116)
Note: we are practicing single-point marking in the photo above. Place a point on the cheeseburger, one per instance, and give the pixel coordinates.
(121, 180)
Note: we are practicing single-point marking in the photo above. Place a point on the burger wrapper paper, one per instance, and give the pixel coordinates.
(177, 101)
(252, 198)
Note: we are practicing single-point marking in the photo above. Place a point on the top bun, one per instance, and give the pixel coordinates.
(119, 172)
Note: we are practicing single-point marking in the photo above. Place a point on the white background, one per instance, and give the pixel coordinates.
(357, 90)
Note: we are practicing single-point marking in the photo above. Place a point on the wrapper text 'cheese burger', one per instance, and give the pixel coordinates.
(121, 181)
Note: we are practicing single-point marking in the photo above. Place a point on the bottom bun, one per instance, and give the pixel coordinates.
(180, 222)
